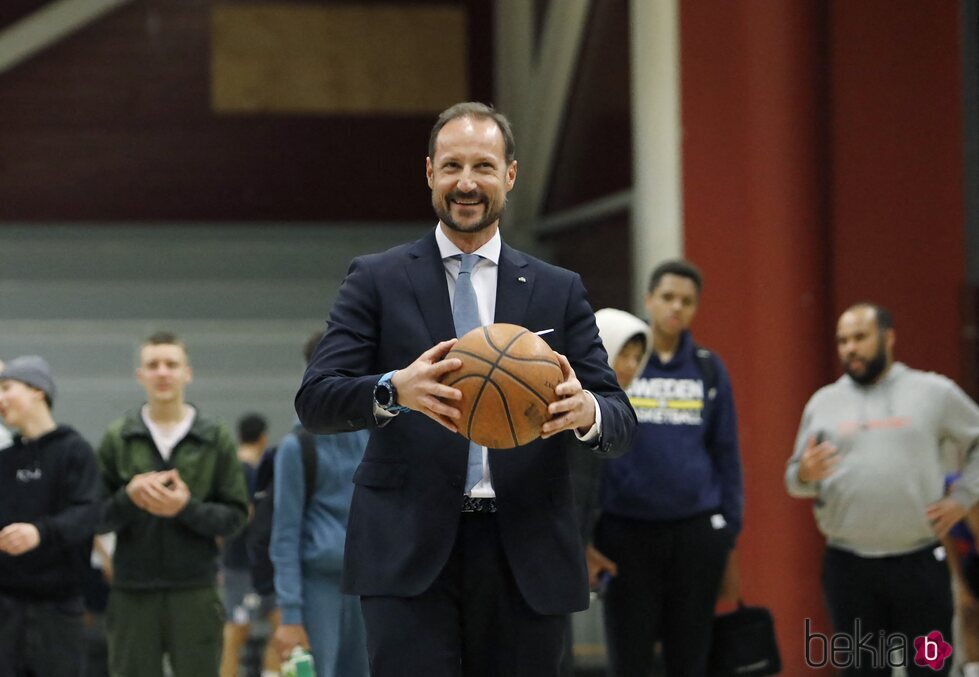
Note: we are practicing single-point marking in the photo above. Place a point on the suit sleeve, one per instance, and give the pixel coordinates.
(336, 394)
(590, 363)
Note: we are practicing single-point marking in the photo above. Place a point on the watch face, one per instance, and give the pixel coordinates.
(382, 394)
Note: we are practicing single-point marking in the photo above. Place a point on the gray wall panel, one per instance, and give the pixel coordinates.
(244, 299)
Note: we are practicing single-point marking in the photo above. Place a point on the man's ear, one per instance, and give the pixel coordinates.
(890, 338)
(428, 171)
(511, 175)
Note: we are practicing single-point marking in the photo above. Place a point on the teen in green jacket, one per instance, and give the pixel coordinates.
(174, 486)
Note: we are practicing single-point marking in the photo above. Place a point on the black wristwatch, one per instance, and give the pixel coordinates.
(386, 395)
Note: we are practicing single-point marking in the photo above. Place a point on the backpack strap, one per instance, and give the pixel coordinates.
(708, 369)
(307, 446)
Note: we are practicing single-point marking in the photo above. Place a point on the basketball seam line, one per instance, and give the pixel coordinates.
(506, 410)
(486, 379)
(502, 369)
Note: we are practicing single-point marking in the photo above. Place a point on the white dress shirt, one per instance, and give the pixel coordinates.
(483, 277)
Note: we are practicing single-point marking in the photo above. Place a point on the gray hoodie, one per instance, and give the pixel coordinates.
(890, 437)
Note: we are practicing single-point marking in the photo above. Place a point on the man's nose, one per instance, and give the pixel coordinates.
(466, 183)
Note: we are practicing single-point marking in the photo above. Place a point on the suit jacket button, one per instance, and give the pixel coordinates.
(456, 481)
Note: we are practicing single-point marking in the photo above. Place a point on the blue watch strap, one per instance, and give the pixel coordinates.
(391, 407)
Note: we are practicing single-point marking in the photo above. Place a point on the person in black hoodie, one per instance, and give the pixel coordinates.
(49, 492)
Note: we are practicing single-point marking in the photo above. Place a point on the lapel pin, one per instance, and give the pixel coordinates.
(521, 279)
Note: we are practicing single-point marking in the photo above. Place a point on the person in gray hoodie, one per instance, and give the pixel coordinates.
(869, 450)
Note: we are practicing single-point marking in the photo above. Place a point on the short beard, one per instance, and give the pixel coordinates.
(443, 211)
(874, 368)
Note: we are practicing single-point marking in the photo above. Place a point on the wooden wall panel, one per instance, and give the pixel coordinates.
(338, 59)
(115, 124)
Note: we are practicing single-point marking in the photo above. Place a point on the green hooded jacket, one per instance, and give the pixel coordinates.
(154, 553)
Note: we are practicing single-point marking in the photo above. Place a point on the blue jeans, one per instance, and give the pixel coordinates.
(335, 627)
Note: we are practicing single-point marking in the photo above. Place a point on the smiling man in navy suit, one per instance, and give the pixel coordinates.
(466, 559)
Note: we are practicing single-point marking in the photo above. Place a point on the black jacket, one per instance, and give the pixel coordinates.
(53, 483)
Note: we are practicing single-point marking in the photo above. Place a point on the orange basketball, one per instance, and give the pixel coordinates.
(507, 379)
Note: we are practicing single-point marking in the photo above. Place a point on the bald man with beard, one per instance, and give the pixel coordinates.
(869, 451)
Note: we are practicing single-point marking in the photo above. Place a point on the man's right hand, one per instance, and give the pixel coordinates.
(818, 461)
(419, 388)
(598, 564)
(288, 636)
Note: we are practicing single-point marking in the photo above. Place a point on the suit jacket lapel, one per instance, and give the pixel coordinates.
(427, 275)
(514, 285)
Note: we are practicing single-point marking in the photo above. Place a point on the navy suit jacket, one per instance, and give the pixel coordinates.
(392, 307)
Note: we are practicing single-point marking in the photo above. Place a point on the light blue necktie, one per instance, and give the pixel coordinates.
(465, 314)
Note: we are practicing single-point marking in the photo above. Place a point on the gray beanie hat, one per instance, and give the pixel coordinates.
(32, 370)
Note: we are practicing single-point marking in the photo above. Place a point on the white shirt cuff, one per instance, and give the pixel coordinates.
(381, 415)
(592, 434)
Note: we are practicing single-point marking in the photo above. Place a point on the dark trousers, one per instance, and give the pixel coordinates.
(669, 576)
(41, 639)
(472, 621)
(908, 594)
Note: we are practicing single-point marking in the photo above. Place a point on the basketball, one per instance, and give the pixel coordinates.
(507, 379)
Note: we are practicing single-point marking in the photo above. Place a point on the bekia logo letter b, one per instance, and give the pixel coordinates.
(931, 650)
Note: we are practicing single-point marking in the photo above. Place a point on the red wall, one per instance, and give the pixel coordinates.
(822, 165)
(897, 193)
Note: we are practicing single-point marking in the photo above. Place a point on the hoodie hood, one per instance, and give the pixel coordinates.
(617, 327)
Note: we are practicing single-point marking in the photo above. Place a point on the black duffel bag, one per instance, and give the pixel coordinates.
(744, 644)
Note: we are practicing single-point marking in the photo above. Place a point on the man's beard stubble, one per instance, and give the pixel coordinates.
(443, 211)
(874, 367)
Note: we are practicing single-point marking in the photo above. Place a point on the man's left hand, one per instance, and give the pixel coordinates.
(944, 514)
(172, 497)
(18, 538)
(574, 409)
